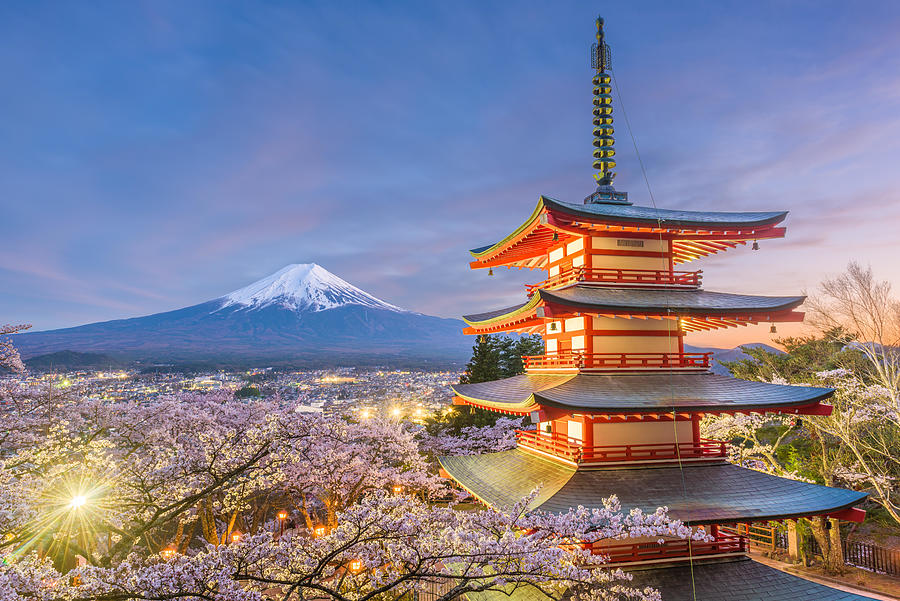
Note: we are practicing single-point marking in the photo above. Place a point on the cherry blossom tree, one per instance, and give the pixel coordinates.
(180, 498)
(471, 440)
(385, 546)
(9, 355)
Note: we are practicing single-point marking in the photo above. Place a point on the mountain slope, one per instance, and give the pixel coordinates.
(301, 313)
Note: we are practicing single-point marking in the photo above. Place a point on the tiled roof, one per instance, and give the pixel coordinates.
(700, 494)
(628, 214)
(656, 301)
(733, 579)
(669, 217)
(638, 392)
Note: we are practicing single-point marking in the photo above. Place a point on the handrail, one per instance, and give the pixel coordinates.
(574, 450)
(644, 551)
(610, 275)
(582, 360)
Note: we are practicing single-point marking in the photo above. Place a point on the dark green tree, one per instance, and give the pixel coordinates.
(484, 366)
(246, 392)
(493, 358)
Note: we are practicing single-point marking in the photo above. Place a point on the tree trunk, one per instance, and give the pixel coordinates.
(830, 543)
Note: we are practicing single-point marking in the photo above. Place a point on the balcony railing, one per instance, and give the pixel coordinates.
(575, 451)
(577, 360)
(628, 277)
(647, 551)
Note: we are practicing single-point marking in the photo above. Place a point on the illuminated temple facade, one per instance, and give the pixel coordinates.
(617, 401)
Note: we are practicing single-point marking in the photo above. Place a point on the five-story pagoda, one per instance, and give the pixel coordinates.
(618, 402)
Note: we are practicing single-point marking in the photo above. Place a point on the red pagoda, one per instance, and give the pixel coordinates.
(616, 399)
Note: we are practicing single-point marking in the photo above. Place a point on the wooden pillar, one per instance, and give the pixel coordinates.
(587, 430)
(695, 427)
(793, 536)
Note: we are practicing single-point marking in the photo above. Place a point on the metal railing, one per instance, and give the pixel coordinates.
(573, 450)
(579, 360)
(612, 276)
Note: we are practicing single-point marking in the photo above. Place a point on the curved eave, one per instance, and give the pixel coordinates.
(700, 494)
(510, 314)
(639, 393)
(487, 251)
(669, 219)
(527, 244)
(656, 303)
(669, 306)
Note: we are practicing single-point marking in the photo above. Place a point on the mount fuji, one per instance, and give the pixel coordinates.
(301, 315)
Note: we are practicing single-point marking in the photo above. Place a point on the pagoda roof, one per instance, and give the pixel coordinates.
(696, 493)
(723, 579)
(551, 215)
(733, 579)
(637, 301)
(636, 393)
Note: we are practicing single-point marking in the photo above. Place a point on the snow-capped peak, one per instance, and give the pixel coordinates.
(305, 287)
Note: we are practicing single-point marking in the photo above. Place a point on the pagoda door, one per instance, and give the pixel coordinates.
(574, 431)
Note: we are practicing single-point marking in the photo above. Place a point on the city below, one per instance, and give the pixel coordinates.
(411, 395)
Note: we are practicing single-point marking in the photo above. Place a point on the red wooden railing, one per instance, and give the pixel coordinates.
(645, 551)
(581, 360)
(573, 450)
(604, 275)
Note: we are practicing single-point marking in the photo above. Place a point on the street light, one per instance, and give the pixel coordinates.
(282, 516)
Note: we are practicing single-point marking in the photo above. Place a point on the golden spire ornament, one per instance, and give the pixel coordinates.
(604, 141)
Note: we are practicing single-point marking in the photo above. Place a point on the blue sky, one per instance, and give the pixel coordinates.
(155, 155)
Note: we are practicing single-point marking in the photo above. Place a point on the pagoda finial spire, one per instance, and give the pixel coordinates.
(604, 142)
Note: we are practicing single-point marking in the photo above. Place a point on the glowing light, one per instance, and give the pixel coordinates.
(77, 502)
(355, 565)
(365, 414)
(282, 515)
(168, 553)
(235, 537)
(396, 411)
(398, 489)
(319, 531)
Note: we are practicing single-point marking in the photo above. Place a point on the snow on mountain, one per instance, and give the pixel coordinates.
(304, 287)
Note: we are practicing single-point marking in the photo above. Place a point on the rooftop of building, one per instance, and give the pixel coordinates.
(697, 493)
(635, 393)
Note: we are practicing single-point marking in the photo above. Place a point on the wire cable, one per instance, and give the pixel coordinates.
(659, 222)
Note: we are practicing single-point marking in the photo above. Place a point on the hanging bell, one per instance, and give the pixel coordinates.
(755, 245)
(555, 236)
(491, 271)
(773, 329)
